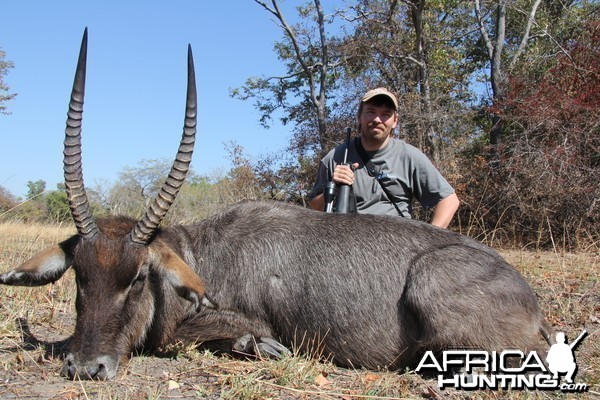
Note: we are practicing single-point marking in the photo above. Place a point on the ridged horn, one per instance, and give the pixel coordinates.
(146, 227)
(76, 195)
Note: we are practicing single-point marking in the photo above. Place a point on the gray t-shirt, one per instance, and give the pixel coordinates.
(407, 174)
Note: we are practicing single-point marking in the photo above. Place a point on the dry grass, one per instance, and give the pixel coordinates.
(33, 321)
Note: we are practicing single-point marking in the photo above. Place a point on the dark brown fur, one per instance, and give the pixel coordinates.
(367, 291)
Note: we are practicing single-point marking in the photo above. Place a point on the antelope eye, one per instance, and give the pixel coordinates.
(140, 278)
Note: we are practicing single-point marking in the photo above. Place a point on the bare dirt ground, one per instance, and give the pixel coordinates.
(35, 322)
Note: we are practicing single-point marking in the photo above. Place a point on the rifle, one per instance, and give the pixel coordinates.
(343, 200)
(329, 192)
(576, 341)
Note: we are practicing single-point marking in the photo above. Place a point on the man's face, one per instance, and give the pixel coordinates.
(377, 121)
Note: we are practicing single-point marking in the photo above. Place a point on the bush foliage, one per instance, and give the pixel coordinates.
(522, 150)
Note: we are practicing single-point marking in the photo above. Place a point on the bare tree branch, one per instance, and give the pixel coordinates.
(276, 11)
(525, 38)
(398, 56)
(486, 38)
(324, 51)
(314, 73)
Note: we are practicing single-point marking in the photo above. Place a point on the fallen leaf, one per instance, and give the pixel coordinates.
(320, 380)
(370, 378)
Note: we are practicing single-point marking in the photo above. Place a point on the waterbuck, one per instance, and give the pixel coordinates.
(264, 277)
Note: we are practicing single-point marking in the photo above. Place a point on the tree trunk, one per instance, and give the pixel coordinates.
(495, 49)
(427, 131)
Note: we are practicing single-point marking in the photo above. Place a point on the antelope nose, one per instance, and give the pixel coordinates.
(68, 369)
(95, 369)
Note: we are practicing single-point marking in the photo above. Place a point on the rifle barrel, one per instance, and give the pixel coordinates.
(576, 341)
(348, 133)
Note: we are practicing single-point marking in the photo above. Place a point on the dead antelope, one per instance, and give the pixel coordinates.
(366, 291)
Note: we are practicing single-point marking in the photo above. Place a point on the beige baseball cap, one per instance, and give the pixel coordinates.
(380, 91)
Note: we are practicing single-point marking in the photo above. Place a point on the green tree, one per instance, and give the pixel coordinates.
(417, 50)
(311, 66)
(500, 56)
(57, 206)
(412, 47)
(431, 54)
(35, 188)
(137, 186)
(7, 200)
(5, 95)
(34, 208)
(199, 198)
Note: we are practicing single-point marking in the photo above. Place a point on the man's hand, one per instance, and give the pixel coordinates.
(344, 174)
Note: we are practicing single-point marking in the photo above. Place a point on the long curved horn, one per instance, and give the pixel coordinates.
(76, 195)
(145, 228)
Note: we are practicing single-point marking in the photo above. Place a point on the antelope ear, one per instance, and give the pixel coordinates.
(45, 267)
(179, 274)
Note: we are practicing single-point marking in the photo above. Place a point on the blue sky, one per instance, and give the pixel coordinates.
(135, 92)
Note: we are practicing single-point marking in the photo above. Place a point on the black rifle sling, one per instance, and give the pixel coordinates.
(372, 170)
